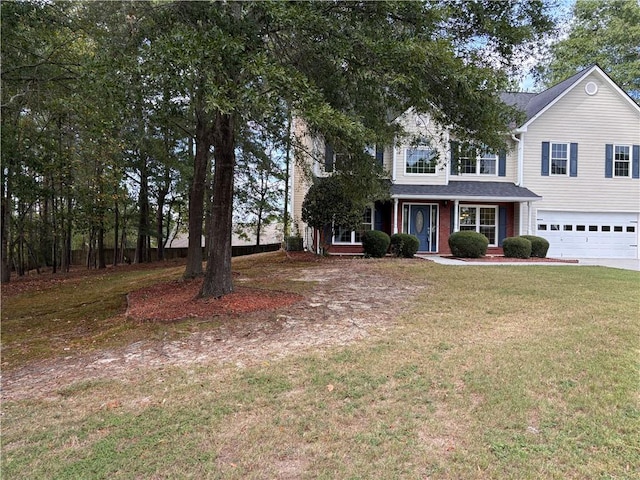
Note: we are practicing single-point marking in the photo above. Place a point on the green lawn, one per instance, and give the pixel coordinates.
(493, 372)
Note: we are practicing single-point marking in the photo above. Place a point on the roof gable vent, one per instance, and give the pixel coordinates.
(591, 88)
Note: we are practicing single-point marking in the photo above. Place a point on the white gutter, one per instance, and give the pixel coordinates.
(467, 198)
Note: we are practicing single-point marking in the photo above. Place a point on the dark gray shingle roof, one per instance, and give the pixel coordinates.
(467, 190)
(533, 103)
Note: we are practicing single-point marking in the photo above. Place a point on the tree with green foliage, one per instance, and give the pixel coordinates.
(106, 81)
(340, 66)
(602, 32)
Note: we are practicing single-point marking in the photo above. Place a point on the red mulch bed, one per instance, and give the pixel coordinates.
(503, 259)
(179, 299)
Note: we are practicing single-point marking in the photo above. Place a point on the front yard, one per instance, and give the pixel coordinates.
(384, 369)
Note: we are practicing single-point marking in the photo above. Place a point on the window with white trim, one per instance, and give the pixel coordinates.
(559, 158)
(477, 162)
(421, 159)
(621, 160)
(346, 236)
(481, 219)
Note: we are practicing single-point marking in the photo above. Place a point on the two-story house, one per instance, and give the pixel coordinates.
(571, 174)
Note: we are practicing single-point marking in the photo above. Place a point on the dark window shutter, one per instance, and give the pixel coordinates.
(573, 160)
(608, 160)
(635, 162)
(380, 154)
(502, 225)
(502, 163)
(377, 219)
(328, 158)
(454, 157)
(545, 159)
(327, 235)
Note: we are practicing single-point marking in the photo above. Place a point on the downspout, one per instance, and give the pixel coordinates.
(520, 181)
(393, 162)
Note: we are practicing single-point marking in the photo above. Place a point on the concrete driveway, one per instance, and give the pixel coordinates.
(623, 263)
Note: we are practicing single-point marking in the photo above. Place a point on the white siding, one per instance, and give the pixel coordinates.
(591, 121)
(511, 169)
(423, 126)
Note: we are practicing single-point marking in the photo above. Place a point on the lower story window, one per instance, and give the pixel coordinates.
(345, 235)
(480, 219)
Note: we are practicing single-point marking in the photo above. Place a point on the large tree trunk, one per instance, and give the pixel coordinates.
(217, 279)
(101, 257)
(196, 198)
(115, 232)
(142, 250)
(5, 217)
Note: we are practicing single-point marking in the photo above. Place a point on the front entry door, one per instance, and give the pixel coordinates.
(421, 226)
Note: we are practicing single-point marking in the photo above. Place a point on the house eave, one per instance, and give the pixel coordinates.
(466, 198)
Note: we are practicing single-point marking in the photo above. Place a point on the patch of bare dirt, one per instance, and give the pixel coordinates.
(176, 300)
(351, 300)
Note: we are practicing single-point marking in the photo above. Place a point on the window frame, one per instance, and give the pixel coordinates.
(415, 148)
(354, 235)
(616, 161)
(566, 159)
(478, 225)
(480, 155)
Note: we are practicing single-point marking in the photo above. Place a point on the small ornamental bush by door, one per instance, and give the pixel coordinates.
(375, 243)
(539, 245)
(404, 245)
(516, 247)
(468, 244)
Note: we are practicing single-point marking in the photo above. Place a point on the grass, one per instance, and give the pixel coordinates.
(493, 372)
(87, 313)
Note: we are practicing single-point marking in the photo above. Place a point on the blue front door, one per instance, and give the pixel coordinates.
(420, 225)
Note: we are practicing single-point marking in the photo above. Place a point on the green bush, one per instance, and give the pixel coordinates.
(468, 244)
(516, 247)
(539, 245)
(375, 243)
(294, 244)
(404, 245)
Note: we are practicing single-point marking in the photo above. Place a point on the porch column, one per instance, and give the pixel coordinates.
(530, 214)
(395, 216)
(520, 218)
(456, 209)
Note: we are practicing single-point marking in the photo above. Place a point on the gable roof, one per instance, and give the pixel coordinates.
(534, 104)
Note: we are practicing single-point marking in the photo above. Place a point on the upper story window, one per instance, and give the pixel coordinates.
(477, 162)
(559, 158)
(422, 159)
(621, 161)
(344, 235)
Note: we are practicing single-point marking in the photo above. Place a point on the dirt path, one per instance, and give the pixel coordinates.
(346, 305)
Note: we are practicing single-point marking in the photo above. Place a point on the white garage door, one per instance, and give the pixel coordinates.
(589, 235)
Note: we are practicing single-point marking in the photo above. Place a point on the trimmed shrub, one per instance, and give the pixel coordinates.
(516, 247)
(539, 245)
(375, 243)
(468, 244)
(294, 244)
(404, 245)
